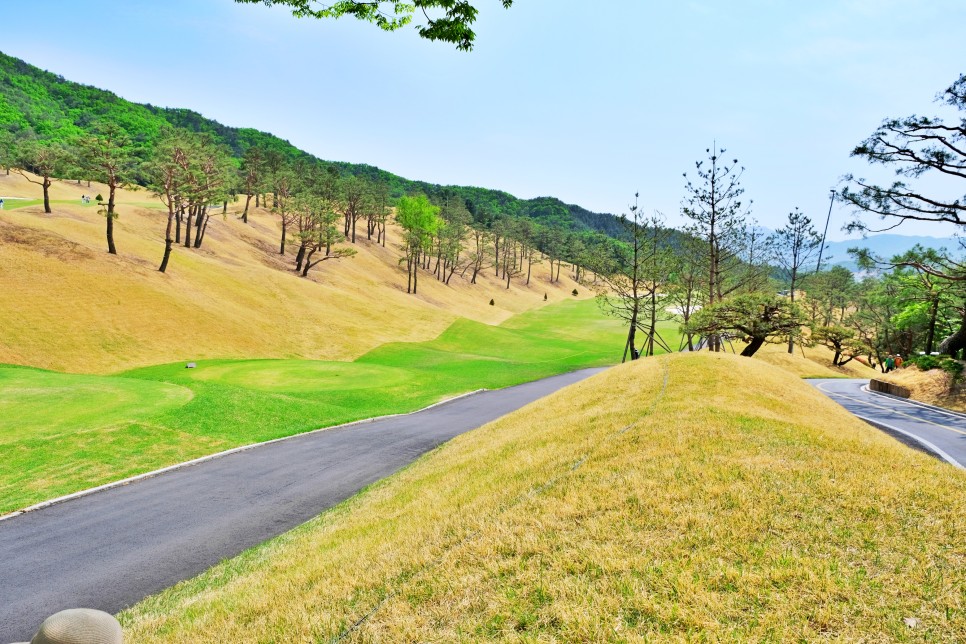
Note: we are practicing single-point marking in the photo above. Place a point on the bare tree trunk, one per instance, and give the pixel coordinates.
(200, 218)
(46, 185)
(308, 261)
(933, 314)
(189, 213)
(244, 217)
(753, 346)
(298, 258)
(416, 272)
(110, 221)
(167, 241)
(631, 333)
(200, 237)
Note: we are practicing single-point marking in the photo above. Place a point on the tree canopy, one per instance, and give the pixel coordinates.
(753, 318)
(446, 20)
(913, 147)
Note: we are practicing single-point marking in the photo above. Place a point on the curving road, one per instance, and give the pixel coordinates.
(940, 432)
(109, 549)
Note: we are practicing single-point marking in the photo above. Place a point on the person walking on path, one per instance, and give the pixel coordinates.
(890, 363)
(898, 361)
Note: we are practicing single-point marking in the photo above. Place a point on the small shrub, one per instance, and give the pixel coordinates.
(954, 367)
(98, 198)
(544, 297)
(575, 292)
(925, 363)
(492, 303)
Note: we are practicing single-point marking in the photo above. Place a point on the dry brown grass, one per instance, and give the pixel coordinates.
(617, 510)
(70, 306)
(810, 362)
(935, 387)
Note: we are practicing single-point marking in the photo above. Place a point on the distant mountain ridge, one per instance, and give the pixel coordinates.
(885, 246)
(34, 100)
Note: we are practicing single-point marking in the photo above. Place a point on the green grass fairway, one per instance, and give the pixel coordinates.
(13, 204)
(69, 432)
(46, 405)
(298, 376)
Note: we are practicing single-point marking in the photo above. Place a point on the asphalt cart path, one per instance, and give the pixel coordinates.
(109, 549)
(938, 431)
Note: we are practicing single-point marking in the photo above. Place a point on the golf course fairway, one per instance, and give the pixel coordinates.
(70, 432)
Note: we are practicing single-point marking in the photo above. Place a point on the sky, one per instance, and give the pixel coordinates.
(590, 101)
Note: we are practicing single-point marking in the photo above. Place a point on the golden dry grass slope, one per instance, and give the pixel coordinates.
(692, 497)
(812, 362)
(68, 305)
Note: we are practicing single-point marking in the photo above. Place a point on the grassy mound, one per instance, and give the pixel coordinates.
(110, 427)
(682, 497)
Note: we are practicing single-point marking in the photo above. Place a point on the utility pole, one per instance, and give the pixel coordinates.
(821, 248)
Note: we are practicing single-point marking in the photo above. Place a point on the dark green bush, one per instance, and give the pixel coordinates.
(955, 367)
(925, 363)
(947, 364)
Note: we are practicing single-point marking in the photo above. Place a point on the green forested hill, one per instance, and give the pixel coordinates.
(34, 102)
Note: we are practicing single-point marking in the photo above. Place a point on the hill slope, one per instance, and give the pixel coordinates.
(34, 100)
(712, 508)
(69, 306)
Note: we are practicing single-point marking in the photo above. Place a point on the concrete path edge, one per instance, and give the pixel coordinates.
(209, 457)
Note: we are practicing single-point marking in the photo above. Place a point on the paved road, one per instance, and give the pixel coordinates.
(110, 549)
(940, 432)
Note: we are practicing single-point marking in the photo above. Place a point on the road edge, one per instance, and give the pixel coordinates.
(917, 403)
(889, 429)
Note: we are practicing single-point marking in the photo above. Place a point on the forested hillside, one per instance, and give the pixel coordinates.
(38, 104)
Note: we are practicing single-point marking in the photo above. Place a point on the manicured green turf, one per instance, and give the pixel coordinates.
(70, 432)
(47, 405)
(13, 204)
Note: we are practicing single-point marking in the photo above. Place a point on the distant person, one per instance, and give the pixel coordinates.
(898, 361)
(1, 204)
(890, 363)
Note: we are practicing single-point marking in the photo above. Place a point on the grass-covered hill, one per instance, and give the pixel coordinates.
(693, 497)
(69, 306)
(47, 105)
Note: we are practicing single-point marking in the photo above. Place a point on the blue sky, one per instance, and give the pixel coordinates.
(587, 101)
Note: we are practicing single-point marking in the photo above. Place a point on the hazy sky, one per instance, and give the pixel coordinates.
(587, 101)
